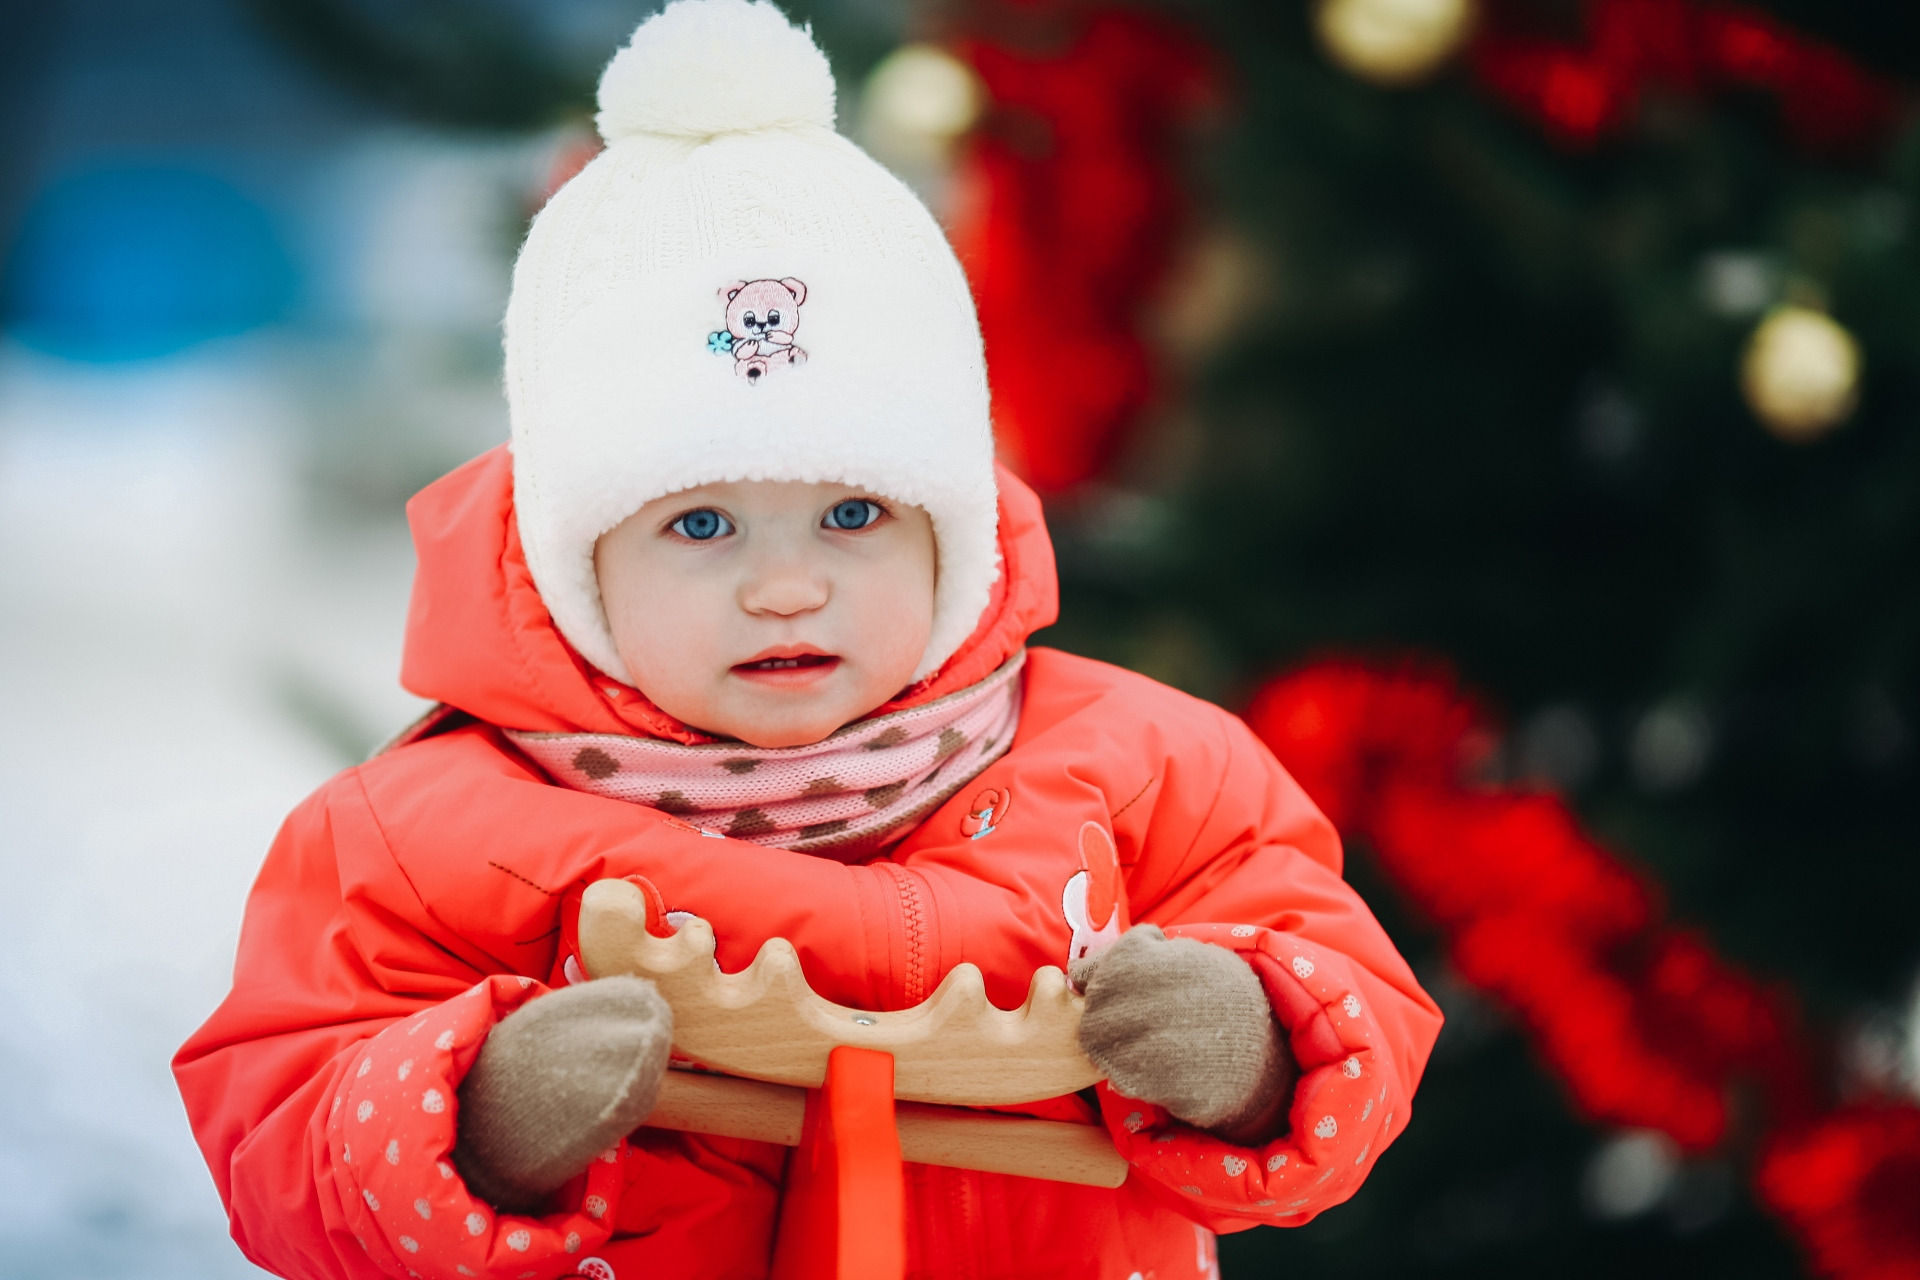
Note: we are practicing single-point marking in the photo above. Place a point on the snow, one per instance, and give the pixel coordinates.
(185, 651)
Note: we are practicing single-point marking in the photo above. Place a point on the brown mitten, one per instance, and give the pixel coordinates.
(1186, 1025)
(559, 1081)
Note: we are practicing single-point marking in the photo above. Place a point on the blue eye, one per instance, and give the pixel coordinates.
(703, 525)
(854, 513)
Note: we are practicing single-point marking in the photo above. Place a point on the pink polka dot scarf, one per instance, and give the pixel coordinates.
(844, 796)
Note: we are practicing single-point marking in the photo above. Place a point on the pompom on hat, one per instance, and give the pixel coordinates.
(733, 291)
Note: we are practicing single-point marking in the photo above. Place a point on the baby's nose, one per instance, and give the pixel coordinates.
(782, 581)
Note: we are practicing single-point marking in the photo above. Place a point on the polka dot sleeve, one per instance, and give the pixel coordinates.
(390, 1132)
(1347, 1105)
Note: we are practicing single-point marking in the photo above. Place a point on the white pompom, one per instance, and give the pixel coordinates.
(705, 67)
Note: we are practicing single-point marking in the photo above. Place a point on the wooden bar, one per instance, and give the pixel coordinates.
(727, 1107)
(1048, 1149)
(1019, 1145)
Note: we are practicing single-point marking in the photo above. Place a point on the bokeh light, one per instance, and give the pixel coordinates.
(143, 260)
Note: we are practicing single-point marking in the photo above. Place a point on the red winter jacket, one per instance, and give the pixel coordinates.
(415, 900)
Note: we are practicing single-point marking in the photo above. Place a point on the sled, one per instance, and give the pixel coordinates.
(857, 1093)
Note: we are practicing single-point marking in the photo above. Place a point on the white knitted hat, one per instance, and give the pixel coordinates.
(733, 291)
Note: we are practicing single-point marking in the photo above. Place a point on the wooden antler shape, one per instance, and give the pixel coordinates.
(765, 1023)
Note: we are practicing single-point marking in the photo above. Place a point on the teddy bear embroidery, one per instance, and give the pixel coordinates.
(761, 318)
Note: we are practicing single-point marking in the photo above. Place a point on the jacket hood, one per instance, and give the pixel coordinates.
(479, 637)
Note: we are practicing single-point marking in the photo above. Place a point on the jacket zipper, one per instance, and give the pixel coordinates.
(964, 1216)
(966, 1219)
(914, 909)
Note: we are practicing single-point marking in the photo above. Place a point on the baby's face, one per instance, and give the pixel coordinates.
(769, 611)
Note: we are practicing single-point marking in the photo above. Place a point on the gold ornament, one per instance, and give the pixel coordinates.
(1393, 42)
(1801, 374)
(918, 101)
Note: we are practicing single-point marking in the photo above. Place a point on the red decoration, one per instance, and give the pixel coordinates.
(1642, 1021)
(1583, 93)
(1850, 1188)
(575, 152)
(1069, 208)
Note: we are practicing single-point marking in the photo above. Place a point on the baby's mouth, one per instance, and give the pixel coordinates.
(784, 670)
(789, 664)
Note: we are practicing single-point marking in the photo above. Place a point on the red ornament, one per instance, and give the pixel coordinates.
(1068, 209)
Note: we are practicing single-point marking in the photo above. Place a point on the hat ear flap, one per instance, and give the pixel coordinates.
(794, 287)
(727, 291)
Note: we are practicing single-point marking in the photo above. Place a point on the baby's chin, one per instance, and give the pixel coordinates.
(775, 731)
(774, 739)
(786, 719)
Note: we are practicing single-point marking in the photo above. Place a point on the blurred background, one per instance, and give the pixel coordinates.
(1513, 404)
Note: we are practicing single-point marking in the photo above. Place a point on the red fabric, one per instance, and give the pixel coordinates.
(1350, 1101)
(385, 1124)
(447, 866)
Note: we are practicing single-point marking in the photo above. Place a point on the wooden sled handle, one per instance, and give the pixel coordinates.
(765, 1023)
(1027, 1148)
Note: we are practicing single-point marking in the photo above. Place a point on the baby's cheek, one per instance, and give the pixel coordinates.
(898, 616)
(673, 645)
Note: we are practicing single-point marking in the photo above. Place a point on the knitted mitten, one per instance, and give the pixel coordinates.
(559, 1081)
(1186, 1025)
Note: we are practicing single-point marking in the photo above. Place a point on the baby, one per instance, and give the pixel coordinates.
(758, 646)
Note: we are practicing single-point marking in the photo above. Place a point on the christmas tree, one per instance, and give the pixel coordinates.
(1512, 395)
(1575, 353)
